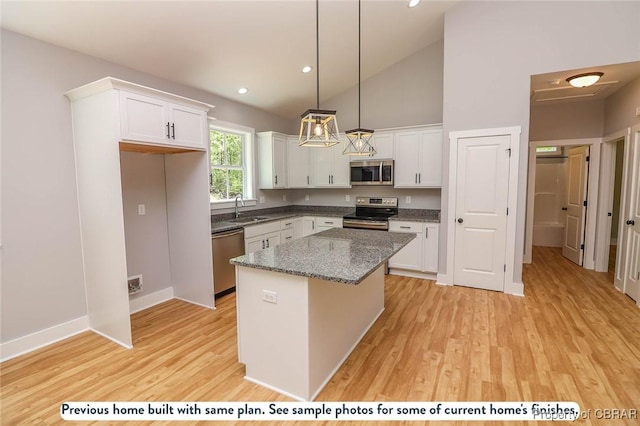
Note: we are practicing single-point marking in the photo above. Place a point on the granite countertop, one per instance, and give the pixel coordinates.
(417, 215)
(343, 255)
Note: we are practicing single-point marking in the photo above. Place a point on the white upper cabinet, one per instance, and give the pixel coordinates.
(418, 158)
(331, 167)
(299, 159)
(153, 120)
(383, 144)
(272, 160)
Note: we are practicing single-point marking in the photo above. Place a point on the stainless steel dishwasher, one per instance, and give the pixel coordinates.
(224, 246)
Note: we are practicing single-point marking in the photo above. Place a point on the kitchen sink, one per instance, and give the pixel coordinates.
(247, 220)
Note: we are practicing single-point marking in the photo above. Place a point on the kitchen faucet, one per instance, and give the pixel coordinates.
(239, 197)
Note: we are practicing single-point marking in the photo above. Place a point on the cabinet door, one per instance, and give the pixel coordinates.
(383, 144)
(299, 163)
(254, 244)
(308, 226)
(287, 235)
(297, 228)
(188, 126)
(340, 174)
(323, 166)
(143, 119)
(430, 174)
(279, 158)
(271, 240)
(407, 147)
(431, 232)
(410, 257)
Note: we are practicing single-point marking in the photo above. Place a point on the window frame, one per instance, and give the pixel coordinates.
(248, 162)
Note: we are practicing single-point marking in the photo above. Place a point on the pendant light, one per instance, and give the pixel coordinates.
(318, 127)
(359, 141)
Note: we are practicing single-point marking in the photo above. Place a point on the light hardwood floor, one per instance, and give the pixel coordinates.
(572, 338)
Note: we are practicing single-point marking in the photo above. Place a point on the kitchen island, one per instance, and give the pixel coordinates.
(303, 306)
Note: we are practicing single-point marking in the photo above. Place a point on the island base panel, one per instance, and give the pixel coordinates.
(296, 345)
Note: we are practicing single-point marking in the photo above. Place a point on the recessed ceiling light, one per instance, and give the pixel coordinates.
(413, 3)
(306, 69)
(243, 90)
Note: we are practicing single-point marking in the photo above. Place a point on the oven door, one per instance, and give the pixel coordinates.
(378, 225)
(378, 172)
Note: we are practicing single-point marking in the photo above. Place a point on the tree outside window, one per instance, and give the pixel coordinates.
(227, 165)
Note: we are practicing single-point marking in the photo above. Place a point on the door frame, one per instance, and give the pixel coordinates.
(607, 181)
(510, 286)
(592, 195)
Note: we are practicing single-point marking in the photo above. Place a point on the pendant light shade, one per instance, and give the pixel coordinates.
(318, 127)
(359, 141)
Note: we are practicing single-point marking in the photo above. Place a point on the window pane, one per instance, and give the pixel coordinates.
(235, 183)
(217, 147)
(218, 184)
(234, 149)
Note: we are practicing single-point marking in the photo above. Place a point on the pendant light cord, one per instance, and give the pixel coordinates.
(359, 47)
(317, 55)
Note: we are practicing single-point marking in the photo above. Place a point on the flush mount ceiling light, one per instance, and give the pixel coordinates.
(359, 141)
(306, 69)
(413, 3)
(318, 127)
(243, 90)
(584, 80)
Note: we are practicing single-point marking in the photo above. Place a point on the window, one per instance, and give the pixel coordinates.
(230, 158)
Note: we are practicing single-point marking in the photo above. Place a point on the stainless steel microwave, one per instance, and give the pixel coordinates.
(372, 172)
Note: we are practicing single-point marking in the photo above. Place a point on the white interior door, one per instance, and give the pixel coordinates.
(481, 212)
(573, 247)
(632, 227)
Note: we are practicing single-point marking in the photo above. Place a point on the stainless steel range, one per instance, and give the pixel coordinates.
(372, 213)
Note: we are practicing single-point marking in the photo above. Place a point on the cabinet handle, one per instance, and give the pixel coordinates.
(329, 178)
(426, 232)
(168, 134)
(405, 227)
(262, 244)
(267, 243)
(419, 177)
(328, 223)
(631, 222)
(288, 238)
(307, 180)
(288, 224)
(313, 225)
(173, 130)
(276, 179)
(416, 178)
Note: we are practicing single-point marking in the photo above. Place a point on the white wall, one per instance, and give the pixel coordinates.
(42, 277)
(620, 108)
(573, 120)
(501, 44)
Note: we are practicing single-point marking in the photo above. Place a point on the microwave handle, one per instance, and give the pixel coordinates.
(380, 172)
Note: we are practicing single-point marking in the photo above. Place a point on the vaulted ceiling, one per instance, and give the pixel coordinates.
(220, 46)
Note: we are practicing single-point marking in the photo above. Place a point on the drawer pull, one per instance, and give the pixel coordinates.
(405, 227)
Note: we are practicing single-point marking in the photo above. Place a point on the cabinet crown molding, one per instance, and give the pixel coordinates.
(110, 83)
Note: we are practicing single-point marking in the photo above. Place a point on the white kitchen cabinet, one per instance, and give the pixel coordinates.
(299, 164)
(262, 236)
(297, 228)
(272, 160)
(155, 120)
(418, 158)
(430, 245)
(410, 257)
(110, 115)
(287, 230)
(331, 167)
(308, 226)
(421, 254)
(324, 223)
(383, 144)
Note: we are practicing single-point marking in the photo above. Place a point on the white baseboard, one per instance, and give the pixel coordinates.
(516, 289)
(39, 339)
(444, 279)
(146, 301)
(413, 274)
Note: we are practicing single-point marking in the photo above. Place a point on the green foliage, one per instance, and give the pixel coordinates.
(227, 168)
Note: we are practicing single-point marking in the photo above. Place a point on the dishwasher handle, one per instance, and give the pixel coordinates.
(227, 233)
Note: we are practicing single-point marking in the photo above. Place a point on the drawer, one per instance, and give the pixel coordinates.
(286, 224)
(265, 228)
(397, 226)
(329, 222)
(286, 235)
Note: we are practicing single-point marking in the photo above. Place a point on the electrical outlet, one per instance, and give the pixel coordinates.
(135, 284)
(407, 199)
(142, 209)
(261, 200)
(306, 197)
(284, 197)
(270, 296)
(347, 197)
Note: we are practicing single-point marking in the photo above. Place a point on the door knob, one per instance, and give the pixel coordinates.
(631, 222)
(460, 220)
